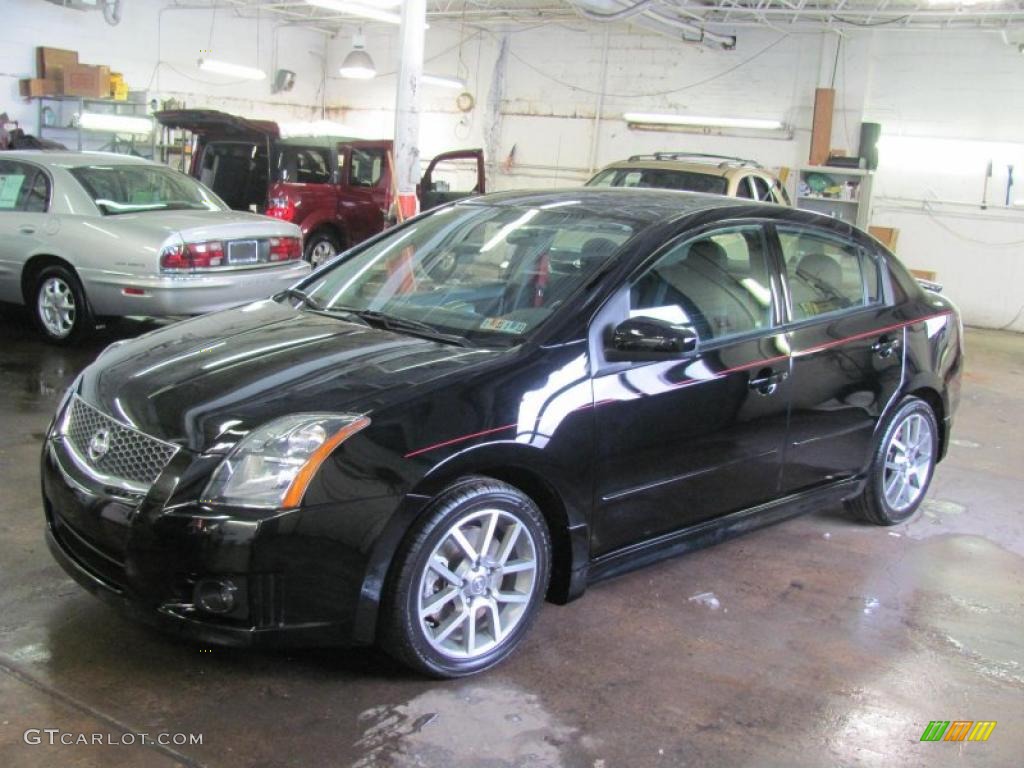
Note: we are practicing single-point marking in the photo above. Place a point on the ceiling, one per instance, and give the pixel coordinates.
(783, 15)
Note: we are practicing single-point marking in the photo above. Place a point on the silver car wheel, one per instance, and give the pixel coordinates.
(56, 307)
(321, 253)
(478, 584)
(908, 462)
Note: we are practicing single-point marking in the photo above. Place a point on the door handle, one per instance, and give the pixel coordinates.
(27, 229)
(885, 346)
(767, 381)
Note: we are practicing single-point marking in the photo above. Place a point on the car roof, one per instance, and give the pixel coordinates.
(641, 206)
(66, 159)
(709, 167)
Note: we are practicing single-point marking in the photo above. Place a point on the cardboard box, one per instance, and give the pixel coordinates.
(37, 86)
(87, 81)
(120, 91)
(51, 62)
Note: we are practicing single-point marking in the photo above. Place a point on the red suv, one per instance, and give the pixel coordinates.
(337, 189)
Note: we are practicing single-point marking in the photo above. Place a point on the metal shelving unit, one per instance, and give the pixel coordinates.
(56, 117)
(853, 209)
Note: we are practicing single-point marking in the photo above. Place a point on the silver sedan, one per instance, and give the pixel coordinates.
(84, 236)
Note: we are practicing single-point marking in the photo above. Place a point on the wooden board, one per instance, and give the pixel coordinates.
(821, 127)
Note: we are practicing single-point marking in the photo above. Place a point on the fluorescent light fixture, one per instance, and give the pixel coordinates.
(364, 9)
(649, 118)
(100, 121)
(443, 81)
(235, 70)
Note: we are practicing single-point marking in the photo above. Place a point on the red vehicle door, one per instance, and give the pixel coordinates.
(364, 192)
(452, 176)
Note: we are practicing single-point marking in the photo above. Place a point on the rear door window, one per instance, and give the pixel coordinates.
(827, 274)
(12, 181)
(304, 165)
(366, 167)
(23, 187)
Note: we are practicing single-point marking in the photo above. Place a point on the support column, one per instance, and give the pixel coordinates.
(407, 105)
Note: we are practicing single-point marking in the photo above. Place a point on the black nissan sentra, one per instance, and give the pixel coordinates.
(498, 402)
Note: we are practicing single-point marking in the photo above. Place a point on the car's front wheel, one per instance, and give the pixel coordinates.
(468, 581)
(902, 465)
(60, 307)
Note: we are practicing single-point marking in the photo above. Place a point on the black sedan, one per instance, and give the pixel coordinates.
(499, 401)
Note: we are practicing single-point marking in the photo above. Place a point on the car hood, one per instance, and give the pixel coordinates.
(200, 226)
(204, 382)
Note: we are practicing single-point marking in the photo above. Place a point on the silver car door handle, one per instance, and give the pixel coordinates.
(27, 229)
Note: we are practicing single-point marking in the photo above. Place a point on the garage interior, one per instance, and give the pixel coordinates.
(818, 641)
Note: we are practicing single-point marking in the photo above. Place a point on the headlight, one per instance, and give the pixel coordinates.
(273, 465)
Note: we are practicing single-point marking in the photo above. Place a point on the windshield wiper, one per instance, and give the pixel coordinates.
(396, 323)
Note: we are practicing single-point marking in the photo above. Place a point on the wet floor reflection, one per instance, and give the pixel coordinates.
(820, 641)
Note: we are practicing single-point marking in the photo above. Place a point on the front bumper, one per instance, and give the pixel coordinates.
(147, 560)
(187, 294)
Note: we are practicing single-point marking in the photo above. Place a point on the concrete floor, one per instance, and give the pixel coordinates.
(824, 641)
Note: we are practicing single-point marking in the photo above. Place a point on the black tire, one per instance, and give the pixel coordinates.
(57, 327)
(401, 632)
(321, 247)
(872, 503)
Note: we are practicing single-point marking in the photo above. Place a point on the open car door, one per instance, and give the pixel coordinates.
(230, 155)
(452, 176)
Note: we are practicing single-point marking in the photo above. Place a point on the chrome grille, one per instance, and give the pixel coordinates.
(130, 455)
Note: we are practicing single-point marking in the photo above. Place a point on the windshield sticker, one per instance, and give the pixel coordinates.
(10, 186)
(503, 326)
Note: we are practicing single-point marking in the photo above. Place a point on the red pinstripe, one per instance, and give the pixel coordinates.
(718, 375)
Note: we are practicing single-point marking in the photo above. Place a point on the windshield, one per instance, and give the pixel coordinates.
(134, 188)
(661, 178)
(487, 274)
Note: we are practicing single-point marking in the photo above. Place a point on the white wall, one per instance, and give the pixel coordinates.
(156, 47)
(965, 87)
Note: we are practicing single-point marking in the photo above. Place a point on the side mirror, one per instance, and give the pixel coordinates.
(641, 339)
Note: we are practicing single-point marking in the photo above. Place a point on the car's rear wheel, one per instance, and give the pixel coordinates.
(468, 581)
(321, 248)
(902, 465)
(60, 307)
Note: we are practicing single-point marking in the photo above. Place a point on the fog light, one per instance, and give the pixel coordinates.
(215, 595)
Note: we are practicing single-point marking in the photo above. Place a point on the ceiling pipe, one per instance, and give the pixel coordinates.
(112, 12)
(699, 34)
(619, 15)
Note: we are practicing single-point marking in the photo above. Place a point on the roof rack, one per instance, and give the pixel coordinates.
(722, 160)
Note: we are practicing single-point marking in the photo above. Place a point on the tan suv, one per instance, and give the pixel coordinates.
(690, 172)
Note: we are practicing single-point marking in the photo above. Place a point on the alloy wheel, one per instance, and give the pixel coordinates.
(908, 462)
(477, 584)
(56, 305)
(321, 253)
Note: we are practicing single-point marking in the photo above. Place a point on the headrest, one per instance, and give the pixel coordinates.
(598, 248)
(821, 267)
(710, 252)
